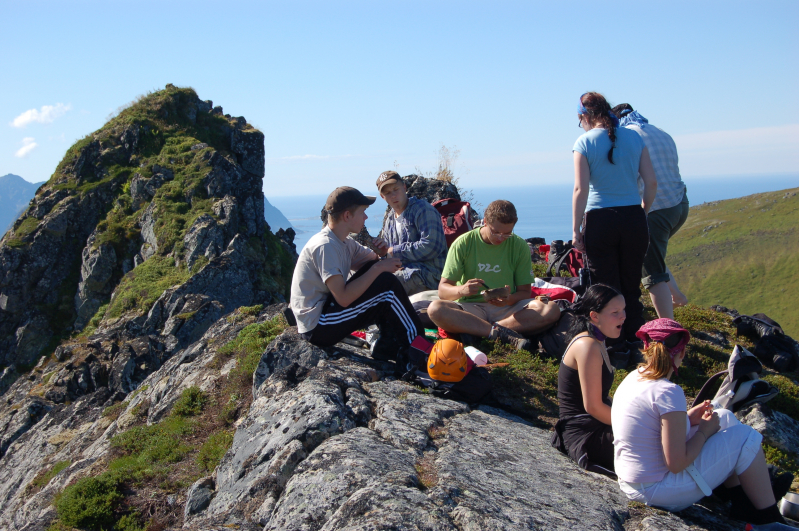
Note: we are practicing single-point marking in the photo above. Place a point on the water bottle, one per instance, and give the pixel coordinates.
(726, 397)
(478, 357)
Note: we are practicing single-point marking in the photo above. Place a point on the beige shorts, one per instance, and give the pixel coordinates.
(490, 313)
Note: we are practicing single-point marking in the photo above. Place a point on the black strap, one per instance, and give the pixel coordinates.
(705, 391)
(554, 267)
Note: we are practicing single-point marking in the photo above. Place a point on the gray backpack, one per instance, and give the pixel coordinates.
(741, 386)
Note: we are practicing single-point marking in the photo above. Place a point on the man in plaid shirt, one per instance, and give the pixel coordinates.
(668, 213)
(413, 233)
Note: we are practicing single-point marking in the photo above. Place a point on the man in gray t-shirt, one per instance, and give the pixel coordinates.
(339, 286)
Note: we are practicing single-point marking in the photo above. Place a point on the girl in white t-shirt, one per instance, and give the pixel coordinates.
(669, 456)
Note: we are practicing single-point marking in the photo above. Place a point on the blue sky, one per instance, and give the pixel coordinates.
(345, 90)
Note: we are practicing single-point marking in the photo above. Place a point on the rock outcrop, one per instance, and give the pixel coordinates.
(327, 442)
(167, 180)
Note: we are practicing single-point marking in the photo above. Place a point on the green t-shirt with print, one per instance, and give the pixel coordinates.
(497, 265)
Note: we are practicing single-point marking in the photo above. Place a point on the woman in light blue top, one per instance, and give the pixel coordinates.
(608, 214)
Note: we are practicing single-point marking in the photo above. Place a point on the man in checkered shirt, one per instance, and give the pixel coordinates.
(668, 212)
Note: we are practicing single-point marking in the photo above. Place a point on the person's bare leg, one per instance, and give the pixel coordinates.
(451, 318)
(661, 300)
(756, 483)
(732, 481)
(678, 298)
(537, 316)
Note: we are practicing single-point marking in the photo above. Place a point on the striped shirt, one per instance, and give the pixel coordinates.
(663, 152)
(416, 237)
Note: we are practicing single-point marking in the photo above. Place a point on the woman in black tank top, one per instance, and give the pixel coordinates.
(585, 376)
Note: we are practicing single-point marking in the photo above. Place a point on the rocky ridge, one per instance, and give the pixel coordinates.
(167, 193)
(177, 407)
(324, 441)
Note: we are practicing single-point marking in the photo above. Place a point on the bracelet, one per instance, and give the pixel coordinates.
(703, 434)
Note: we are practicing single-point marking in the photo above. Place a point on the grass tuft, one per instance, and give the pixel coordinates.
(190, 403)
(213, 449)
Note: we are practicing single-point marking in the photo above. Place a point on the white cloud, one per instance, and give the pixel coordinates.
(757, 150)
(47, 114)
(28, 145)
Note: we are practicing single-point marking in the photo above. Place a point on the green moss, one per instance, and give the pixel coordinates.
(213, 449)
(787, 401)
(785, 460)
(148, 446)
(190, 403)
(115, 410)
(249, 344)
(90, 502)
(26, 228)
(140, 288)
(528, 385)
(44, 477)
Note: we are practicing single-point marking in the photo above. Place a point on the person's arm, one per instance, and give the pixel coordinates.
(677, 452)
(582, 175)
(647, 173)
(448, 290)
(361, 256)
(589, 369)
(522, 292)
(431, 238)
(345, 293)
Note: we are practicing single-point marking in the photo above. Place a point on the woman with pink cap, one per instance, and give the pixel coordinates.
(669, 456)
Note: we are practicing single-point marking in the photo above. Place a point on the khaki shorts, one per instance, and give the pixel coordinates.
(490, 313)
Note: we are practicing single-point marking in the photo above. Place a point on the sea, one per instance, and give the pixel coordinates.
(544, 210)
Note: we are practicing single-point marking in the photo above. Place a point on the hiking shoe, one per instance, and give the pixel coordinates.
(509, 337)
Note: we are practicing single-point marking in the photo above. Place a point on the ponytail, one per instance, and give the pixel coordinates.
(659, 356)
(658, 362)
(598, 110)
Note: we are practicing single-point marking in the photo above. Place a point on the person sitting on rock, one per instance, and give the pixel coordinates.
(330, 302)
(413, 233)
(669, 456)
(491, 256)
(585, 376)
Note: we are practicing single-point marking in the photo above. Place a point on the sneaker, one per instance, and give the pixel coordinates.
(509, 337)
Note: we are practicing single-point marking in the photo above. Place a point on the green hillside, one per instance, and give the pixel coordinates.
(744, 254)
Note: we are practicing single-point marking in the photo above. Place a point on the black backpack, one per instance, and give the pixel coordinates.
(474, 387)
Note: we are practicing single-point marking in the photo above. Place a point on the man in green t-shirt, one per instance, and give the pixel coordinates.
(488, 257)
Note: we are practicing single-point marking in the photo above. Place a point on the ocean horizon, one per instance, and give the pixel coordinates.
(544, 210)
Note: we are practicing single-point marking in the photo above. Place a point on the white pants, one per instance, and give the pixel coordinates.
(729, 450)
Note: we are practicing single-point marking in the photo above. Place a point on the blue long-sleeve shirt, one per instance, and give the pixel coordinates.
(416, 237)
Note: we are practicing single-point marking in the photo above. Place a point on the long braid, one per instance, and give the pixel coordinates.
(598, 109)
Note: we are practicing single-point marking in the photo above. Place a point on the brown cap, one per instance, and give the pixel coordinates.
(388, 177)
(344, 197)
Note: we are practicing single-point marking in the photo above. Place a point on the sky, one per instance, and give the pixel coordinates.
(345, 90)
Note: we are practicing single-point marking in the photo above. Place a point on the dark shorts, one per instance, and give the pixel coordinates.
(663, 224)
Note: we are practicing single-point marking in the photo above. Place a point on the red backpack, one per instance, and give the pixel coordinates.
(455, 216)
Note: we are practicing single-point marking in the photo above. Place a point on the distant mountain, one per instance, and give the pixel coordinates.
(742, 253)
(275, 217)
(15, 194)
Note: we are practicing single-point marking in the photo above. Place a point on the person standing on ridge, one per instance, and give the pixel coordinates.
(608, 215)
(491, 256)
(339, 286)
(668, 213)
(413, 233)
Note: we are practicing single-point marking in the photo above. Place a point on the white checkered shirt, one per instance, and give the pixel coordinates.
(663, 153)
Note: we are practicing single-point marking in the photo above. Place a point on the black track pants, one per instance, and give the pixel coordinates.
(384, 303)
